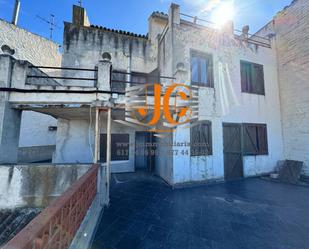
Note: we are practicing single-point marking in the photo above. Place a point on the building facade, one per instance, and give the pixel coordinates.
(243, 107)
(238, 96)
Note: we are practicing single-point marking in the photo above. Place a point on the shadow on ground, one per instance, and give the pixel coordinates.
(252, 213)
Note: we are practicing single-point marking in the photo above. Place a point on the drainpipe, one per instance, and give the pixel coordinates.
(16, 12)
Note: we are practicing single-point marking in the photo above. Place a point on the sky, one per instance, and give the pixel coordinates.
(132, 15)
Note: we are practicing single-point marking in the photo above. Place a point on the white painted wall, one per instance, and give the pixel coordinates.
(250, 108)
(34, 129)
(73, 143)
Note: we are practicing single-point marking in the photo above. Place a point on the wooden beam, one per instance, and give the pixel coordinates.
(108, 146)
(96, 158)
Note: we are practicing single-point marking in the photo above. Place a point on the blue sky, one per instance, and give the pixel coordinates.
(132, 15)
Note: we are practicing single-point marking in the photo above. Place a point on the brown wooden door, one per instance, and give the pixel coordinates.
(232, 149)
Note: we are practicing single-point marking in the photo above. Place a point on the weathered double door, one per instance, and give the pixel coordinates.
(232, 149)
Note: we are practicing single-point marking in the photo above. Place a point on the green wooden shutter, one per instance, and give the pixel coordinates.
(262, 139)
(250, 145)
(246, 76)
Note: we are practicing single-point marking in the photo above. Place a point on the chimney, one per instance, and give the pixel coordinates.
(80, 16)
(174, 15)
(245, 32)
(16, 12)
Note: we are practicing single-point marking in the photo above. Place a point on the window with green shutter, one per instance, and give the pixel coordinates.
(255, 139)
(252, 78)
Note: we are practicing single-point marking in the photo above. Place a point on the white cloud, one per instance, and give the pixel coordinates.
(202, 6)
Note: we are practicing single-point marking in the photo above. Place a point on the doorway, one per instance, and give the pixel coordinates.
(144, 151)
(232, 150)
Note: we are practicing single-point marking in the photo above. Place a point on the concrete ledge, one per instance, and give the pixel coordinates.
(35, 153)
(87, 230)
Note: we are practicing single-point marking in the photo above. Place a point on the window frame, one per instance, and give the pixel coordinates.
(248, 87)
(259, 150)
(209, 69)
(201, 152)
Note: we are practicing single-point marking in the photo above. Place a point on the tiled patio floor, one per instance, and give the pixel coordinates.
(252, 213)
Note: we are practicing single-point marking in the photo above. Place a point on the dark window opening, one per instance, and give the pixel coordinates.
(121, 79)
(201, 139)
(118, 82)
(252, 78)
(255, 139)
(202, 69)
(138, 79)
(119, 147)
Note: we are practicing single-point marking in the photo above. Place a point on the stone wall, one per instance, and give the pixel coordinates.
(291, 30)
(29, 46)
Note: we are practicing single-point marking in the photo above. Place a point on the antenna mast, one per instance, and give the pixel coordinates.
(51, 22)
(80, 3)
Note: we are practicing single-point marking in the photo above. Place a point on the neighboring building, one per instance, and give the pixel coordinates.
(291, 30)
(37, 142)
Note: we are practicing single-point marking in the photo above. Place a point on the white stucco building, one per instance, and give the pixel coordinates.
(173, 42)
(244, 104)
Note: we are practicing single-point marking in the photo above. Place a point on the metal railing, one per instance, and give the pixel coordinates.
(56, 226)
(251, 38)
(119, 79)
(39, 76)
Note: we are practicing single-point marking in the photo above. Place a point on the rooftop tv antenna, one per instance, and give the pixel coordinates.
(51, 22)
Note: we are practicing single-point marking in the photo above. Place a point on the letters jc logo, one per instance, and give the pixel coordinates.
(173, 103)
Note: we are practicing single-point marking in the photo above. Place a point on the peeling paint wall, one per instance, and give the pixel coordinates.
(35, 185)
(84, 46)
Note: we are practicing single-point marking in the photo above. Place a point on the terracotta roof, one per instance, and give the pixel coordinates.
(122, 32)
(160, 14)
(12, 221)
